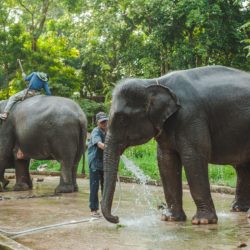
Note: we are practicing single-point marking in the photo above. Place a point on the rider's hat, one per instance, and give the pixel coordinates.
(43, 76)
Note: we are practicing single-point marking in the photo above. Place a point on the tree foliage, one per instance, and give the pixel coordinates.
(87, 46)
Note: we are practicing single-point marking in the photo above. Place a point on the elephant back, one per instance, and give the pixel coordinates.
(43, 108)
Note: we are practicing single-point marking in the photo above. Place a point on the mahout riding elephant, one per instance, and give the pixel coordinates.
(43, 128)
(197, 116)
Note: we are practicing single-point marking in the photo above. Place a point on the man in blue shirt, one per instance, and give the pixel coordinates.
(37, 81)
(95, 161)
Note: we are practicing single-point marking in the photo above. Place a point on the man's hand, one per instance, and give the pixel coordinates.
(100, 145)
(23, 75)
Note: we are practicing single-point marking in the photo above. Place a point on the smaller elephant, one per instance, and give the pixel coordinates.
(43, 128)
(197, 116)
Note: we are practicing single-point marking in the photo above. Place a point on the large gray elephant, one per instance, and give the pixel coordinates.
(197, 116)
(42, 128)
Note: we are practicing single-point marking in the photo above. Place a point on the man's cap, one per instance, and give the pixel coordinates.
(43, 76)
(101, 116)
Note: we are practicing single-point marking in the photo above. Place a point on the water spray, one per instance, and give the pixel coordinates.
(120, 195)
(15, 234)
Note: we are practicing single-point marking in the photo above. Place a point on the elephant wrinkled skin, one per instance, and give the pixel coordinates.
(42, 128)
(197, 116)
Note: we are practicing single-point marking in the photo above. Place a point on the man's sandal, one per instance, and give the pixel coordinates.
(95, 214)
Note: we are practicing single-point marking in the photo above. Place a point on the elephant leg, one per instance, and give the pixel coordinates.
(171, 171)
(4, 181)
(23, 180)
(242, 195)
(196, 169)
(74, 169)
(74, 175)
(5, 162)
(66, 178)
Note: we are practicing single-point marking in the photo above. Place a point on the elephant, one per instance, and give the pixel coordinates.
(43, 128)
(197, 116)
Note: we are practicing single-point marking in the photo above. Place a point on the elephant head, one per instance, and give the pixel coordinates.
(138, 112)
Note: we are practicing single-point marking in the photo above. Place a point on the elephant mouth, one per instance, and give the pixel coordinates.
(121, 148)
(135, 142)
(158, 132)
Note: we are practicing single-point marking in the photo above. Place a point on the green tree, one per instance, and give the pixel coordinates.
(246, 28)
(11, 45)
(88, 46)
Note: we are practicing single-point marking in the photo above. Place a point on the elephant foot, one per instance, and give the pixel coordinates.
(66, 188)
(5, 183)
(22, 187)
(204, 218)
(168, 215)
(240, 207)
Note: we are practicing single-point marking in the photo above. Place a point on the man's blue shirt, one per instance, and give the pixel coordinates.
(36, 83)
(95, 154)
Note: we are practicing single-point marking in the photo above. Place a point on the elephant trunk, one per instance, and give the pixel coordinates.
(111, 162)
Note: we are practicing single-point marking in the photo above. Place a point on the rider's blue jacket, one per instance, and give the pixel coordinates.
(36, 83)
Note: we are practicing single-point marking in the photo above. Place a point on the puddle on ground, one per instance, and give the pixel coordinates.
(139, 228)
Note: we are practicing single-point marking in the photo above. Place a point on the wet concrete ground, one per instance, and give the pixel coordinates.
(140, 226)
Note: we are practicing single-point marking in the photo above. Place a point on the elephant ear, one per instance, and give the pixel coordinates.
(162, 103)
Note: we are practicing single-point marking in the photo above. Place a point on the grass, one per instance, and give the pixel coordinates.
(145, 157)
(53, 165)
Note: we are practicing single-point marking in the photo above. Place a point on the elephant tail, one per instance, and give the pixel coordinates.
(82, 142)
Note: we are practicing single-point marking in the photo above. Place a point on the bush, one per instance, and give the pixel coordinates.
(144, 156)
(91, 108)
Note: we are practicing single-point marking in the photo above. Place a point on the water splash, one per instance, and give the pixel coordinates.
(144, 197)
(224, 214)
(138, 173)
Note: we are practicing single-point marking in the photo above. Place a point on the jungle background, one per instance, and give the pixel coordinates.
(87, 46)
